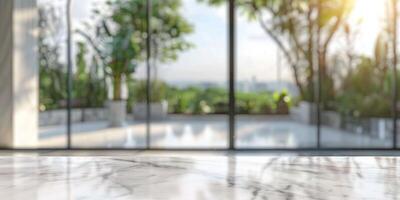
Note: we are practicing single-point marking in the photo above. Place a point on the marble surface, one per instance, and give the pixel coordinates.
(197, 176)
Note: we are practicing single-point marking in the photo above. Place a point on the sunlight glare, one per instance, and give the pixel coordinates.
(367, 18)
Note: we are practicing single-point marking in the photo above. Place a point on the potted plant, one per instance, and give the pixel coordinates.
(119, 41)
(119, 72)
(168, 38)
(158, 102)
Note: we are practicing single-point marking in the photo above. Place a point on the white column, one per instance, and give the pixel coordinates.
(18, 74)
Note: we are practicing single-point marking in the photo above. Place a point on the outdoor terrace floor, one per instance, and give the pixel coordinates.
(182, 131)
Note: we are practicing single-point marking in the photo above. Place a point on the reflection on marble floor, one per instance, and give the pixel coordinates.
(188, 176)
(208, 132)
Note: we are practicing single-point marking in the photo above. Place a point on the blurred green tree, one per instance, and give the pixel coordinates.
(52, 79)
(121, 32)
(303, 30)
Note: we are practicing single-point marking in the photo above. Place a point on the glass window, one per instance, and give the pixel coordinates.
(109, 54)
(189, 98)
(356, 80)
(275, 81)
(52, 74)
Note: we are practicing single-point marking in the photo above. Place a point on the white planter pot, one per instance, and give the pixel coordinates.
(331, 119)
(117, 113)
(158, 110)
(305, 112)
(58, 117)
(381, 127)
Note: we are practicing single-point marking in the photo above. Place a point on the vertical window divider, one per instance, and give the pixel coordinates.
(231, 52)
(148, 82)
(395, 93)
(69, 72)
(319, 78)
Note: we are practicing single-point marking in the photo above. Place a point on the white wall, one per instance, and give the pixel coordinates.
(18, 74)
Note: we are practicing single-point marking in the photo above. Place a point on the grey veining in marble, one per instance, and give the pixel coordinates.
(187, 176)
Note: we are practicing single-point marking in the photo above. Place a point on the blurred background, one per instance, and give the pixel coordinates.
(309, 73)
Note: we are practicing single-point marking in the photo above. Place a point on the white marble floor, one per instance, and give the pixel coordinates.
(191, 175)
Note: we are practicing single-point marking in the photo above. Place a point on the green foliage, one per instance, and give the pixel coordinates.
(186, 100)
(89, 89)
(194, 100)
(254, 103)
(214, 100)
(294, 27)
(89, 86)
(262, 102)
(169, 29)
(366, 92)
(138, 89)
(52, 88)
(52, 79)
(120, 39)
(81, 76)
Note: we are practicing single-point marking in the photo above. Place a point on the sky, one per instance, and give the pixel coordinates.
(257, 55)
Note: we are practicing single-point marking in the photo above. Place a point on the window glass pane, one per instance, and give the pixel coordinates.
(52, 74)
(275, 81)
(356, 80)
(189, 98)
(108, 54)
